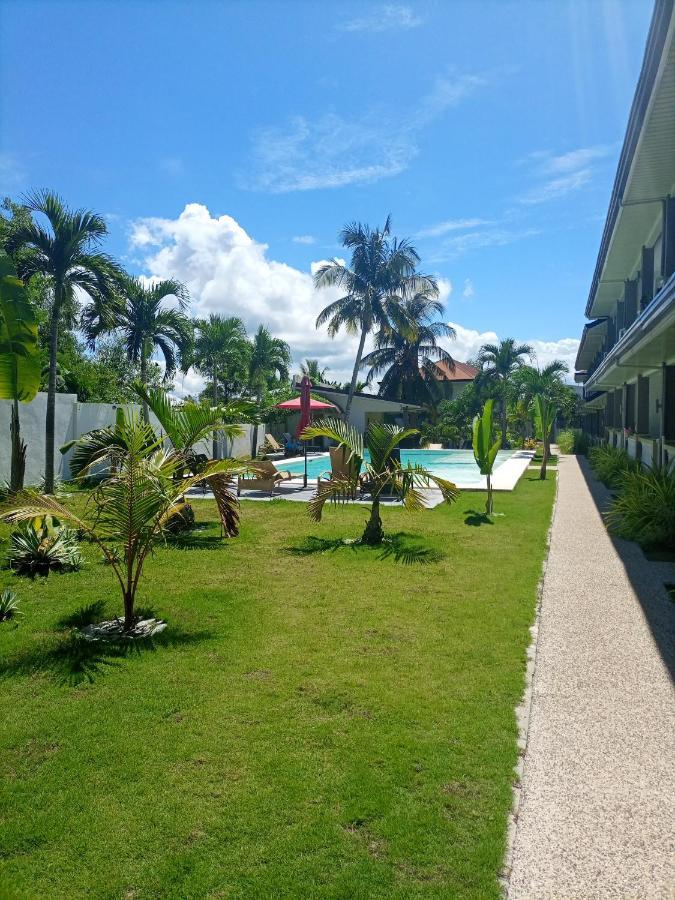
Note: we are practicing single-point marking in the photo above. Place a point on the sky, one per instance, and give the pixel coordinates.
(227, 143)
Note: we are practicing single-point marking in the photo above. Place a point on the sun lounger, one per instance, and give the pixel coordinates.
(265, 477)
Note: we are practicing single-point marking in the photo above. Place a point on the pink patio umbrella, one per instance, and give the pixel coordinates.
(306, 405)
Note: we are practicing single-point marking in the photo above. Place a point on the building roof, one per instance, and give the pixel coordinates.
(335, 394)
(462, 372)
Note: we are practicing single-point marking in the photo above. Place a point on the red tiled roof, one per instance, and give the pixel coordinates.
(463, 371)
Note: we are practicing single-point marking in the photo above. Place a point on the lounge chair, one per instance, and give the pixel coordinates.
(291, 446)
(273, 444)
(434, 447)
(342, 469)
(265, 477)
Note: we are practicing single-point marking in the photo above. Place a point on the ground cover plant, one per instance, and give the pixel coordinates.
(644, 508)
(317, 720)
(611, 463)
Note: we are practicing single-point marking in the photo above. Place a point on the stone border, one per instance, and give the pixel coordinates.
(524, 709)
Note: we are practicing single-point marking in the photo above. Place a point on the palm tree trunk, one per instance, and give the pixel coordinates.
(544, 460)
(503, 412)
(18, 463)
(254, 439)
(144, 382)
(374, 533)
(215, 403)
(355, 373)
(488, 505)
(51, 393)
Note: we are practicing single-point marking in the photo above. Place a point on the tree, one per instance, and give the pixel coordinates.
(499, 362)
(382, 274)
(382, 470)
(544, 417)
(485, 449)
(19, 360)
(131, 507)
(221, 352)
(268, 363)
(312, 370)
(65, 251)
(408, 355)
(146, 324)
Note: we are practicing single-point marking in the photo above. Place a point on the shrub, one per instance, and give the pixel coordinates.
(42, 545)
(9, 605)
(529, 444)
(644, 509)
(572, 440)
(611, 463)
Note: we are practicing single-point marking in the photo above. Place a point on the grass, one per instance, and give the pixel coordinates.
(318, 720)
(550, 462)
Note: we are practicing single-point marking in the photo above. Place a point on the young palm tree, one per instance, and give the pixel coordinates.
(65, 251)
(269, 360)
(485, 448)
(382, 274)
(146, 324)
(544, 417)
(381, 471)
(220, 350)
(313, 371)
(408, 356)
(499, 362)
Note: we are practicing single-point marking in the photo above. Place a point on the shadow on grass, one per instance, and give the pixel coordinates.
(72, 660)
(204, 538)
(476, 519)
(402, 547)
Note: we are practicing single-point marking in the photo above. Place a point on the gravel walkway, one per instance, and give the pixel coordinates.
(596, 816)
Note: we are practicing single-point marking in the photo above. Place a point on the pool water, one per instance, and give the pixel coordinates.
(457, 466)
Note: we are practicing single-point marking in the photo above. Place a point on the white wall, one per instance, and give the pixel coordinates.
(72, 420)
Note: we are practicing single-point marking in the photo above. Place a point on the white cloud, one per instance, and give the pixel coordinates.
(387, 17)
(332, 151)
(469, 341)
(561, 174)
(304, 239)
(468, 290)
(228, 272)
(456, 246)
(12, 174)
(442, 228)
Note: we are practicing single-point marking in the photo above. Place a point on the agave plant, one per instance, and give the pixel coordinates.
(131, 507)
(381, 471)
(42, 545)
(9, 606)
(485, 448)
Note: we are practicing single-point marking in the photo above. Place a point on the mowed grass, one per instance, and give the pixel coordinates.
(317, 721)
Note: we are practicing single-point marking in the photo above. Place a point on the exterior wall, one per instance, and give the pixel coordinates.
(451, 390)
(74, 419)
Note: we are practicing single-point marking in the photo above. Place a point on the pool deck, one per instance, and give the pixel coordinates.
(505, 478)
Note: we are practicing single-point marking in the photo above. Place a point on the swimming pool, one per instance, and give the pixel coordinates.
(457, 466)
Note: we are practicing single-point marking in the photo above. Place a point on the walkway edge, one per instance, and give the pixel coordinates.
(524, 708)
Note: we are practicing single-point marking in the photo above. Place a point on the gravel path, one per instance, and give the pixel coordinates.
(597, 810)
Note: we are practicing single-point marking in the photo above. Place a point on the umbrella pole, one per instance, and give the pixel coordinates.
(304, 443)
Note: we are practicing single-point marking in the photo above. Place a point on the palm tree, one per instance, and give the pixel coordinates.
(65, 251)
(220, 350)
(312, 370)
(381, 471)
(499, 362)
(382, 274)
(408, 356)
(269, 360)
(145, 325)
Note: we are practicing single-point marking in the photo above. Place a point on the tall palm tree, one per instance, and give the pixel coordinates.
(146, 325)
(269, 360)
(382, 274)
(499, 362)
(65, 250)
(408, 356)
(313, 371)
(220, 350)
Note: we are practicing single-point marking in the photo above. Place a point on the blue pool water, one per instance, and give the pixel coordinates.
(458, 466)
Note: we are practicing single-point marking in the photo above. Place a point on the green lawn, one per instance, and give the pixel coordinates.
(317, 721)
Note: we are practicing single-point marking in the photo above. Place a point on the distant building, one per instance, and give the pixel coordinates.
(626, 359)
(454, 381)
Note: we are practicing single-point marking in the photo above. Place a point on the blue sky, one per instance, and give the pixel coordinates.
(228, 142)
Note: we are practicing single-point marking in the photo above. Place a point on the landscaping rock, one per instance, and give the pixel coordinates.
(114, 630)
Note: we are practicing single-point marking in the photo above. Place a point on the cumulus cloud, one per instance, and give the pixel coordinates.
(388, 17)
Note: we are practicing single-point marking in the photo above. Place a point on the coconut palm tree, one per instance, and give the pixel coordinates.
(65, 250)
(408, 356)
(313, 371)
(499, 362)
(381, 471)
(269, 361)
(146, 324)
(381, 275)
(221, 351)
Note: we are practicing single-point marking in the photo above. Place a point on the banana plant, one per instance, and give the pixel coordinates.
(485, 449)
(544, 417)
(131, 507)
(19, 360)
(380, 471)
